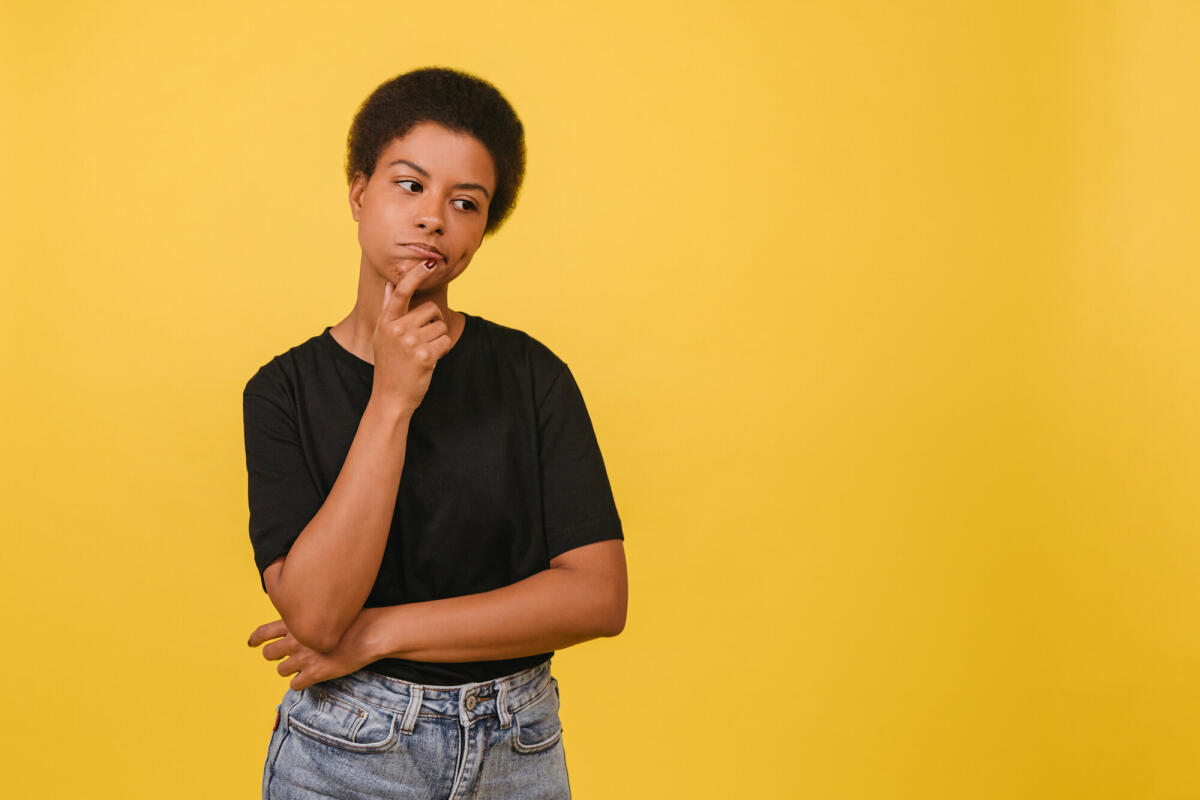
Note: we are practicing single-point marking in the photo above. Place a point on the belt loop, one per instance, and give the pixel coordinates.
(416, 696)
(502, 705)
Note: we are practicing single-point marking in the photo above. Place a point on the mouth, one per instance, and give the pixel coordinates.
(425, 251)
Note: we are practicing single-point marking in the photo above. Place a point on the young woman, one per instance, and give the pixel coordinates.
(429, 510)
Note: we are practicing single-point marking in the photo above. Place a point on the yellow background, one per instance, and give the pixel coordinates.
(886, 315)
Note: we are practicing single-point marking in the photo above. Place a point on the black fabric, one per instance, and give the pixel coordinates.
(502, 471)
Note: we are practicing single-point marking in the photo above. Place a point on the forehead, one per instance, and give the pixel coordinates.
(443, 153)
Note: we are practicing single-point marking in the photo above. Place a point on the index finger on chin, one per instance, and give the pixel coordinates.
(404, 289)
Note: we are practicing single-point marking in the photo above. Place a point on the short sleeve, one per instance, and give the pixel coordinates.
(577, 500)
(282, 495)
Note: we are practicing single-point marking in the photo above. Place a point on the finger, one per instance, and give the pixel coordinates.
(273, 651)
(387, 294)
(270, 630)
(302, 681)
(288, 667)
(439, 346)
(434, 329)
(397, 305)
(424, 313)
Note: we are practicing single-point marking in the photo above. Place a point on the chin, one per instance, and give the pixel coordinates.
(400, 270)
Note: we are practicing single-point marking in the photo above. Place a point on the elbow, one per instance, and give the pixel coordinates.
(315, 636)
(596, 585)
(613, 616)
(613, 626)
(314, 631)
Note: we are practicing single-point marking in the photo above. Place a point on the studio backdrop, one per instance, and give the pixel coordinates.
(886, 315)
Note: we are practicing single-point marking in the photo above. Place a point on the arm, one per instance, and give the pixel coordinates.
(319, 587)
(583, 595)
(322, 583)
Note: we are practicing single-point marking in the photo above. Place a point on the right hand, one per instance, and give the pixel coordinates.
(407, 343)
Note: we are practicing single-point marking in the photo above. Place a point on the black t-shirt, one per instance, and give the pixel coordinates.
(502, 471)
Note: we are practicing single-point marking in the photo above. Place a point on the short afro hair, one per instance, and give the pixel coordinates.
(460, 102)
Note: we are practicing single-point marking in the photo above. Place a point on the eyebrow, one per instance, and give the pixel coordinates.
(418, 168)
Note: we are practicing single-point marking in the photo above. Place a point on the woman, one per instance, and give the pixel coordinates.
(429, 510)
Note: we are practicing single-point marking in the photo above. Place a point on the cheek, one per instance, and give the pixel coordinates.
(375, 228)
(469, 250)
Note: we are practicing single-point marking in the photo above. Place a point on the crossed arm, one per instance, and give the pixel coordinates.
(582, 596)
(320, 585)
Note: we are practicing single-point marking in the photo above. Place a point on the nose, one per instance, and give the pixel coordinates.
(428, 217)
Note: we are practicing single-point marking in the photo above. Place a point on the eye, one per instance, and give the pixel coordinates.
(470, 204)
(409, 180)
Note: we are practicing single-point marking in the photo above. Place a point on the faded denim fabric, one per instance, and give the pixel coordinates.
(367, 735)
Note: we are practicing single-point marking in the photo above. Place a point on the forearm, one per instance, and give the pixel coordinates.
(550, 610)
(332, 565)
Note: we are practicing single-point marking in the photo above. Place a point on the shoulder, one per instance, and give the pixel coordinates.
(518, 346)
(279, 376)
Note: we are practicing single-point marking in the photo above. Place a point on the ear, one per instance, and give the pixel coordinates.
(358, 185)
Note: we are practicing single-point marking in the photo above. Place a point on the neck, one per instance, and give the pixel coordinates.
(356, 332)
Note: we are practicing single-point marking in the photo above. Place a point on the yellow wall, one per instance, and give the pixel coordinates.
(886, 314)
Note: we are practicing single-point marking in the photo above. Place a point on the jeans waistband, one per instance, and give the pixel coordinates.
(499, 697)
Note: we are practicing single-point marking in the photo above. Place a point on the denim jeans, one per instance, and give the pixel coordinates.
(370, 735)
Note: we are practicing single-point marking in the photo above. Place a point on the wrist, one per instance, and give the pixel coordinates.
(389, 409)
(371, 640)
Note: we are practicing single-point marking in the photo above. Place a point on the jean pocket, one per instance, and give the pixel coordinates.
(536, 725)
(342, 721)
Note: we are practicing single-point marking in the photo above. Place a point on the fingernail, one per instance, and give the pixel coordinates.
(429, 264)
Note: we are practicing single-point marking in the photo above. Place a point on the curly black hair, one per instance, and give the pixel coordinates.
(460, 102)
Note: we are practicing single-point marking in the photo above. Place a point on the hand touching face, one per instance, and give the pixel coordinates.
(428, 197)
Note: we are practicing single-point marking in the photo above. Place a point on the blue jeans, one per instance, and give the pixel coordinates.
(370, 735)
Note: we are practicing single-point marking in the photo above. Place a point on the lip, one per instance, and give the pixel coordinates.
(427, 250)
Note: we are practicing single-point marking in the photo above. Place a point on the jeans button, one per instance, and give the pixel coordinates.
(471, 703)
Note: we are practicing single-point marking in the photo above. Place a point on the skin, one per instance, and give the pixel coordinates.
(399, 204)
(430, 186)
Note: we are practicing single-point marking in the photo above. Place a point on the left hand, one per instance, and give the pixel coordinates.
(313, 666)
